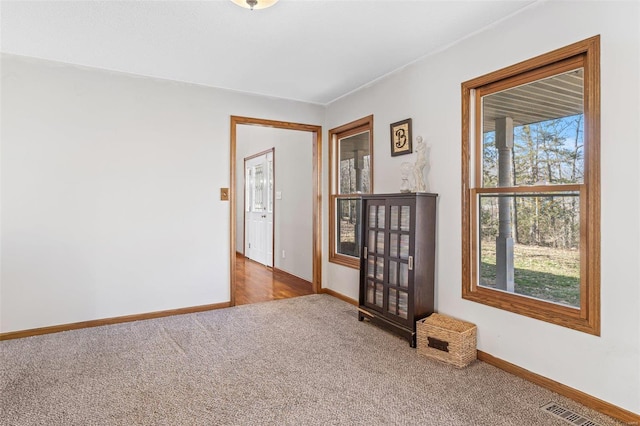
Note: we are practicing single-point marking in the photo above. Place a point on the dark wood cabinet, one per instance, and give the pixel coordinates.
(397, 260)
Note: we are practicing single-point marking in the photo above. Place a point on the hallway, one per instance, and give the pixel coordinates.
(257, 283)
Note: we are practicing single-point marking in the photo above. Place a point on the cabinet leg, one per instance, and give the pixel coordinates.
(360, 317)
(412, 342)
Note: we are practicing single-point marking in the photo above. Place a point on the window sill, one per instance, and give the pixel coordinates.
(553, 313)
(348, 261)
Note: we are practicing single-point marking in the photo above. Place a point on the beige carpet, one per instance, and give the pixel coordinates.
(302, 361)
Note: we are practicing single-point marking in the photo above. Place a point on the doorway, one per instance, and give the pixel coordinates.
(314, 136)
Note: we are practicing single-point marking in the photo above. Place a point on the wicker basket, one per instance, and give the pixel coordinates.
(447, 339)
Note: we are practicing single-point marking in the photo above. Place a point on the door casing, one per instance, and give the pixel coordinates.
(316, 133)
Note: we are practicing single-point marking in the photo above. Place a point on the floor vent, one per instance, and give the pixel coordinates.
(567, 415)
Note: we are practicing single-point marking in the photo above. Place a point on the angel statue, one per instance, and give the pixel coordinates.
(420, 164)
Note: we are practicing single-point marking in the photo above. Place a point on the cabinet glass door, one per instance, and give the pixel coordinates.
(399, 258)
(375, 254)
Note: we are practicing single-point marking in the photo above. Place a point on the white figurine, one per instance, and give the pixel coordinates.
(421, 163)
(405, 170)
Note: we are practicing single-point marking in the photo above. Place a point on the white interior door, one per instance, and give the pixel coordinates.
(259, 208)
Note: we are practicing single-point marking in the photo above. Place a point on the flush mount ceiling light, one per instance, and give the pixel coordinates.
(255, 4)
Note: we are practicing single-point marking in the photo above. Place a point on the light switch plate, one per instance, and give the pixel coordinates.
(224, 194)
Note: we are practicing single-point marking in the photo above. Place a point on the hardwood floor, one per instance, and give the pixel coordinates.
(257, 283)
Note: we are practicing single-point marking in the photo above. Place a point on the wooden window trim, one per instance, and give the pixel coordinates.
(358, 126)
(586, 318)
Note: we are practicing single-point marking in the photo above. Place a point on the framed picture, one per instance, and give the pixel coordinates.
(401, 138)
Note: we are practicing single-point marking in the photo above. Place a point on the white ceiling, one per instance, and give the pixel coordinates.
(309, 50)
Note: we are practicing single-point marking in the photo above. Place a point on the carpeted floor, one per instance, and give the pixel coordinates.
(302, 361)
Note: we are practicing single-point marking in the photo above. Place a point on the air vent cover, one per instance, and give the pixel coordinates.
(567, 415)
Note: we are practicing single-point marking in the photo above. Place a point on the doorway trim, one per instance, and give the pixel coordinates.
(316, 133)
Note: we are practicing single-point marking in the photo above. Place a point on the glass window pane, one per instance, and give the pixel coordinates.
(403, 298)
(348, 223)
(371, 264)
(404, 246)
(258, 189)
(393, 245)
(380, 268)
(370, 292)
(405, 218)
(394, 218)
(404, 275)
(393, 272)
(392, 301)
(379, 290)
(381, 213)
(354, 164)
(372, 240)
(544, 139)
(535, 250)
(373, 210)
(380, 244)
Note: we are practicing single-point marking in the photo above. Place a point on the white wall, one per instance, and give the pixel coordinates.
(607, 367)
(293, 220)
(110, 192)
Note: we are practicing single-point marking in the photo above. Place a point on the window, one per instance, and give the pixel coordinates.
(531, 188)
(350, 174)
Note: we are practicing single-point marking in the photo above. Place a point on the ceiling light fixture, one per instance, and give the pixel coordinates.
(255, 4)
